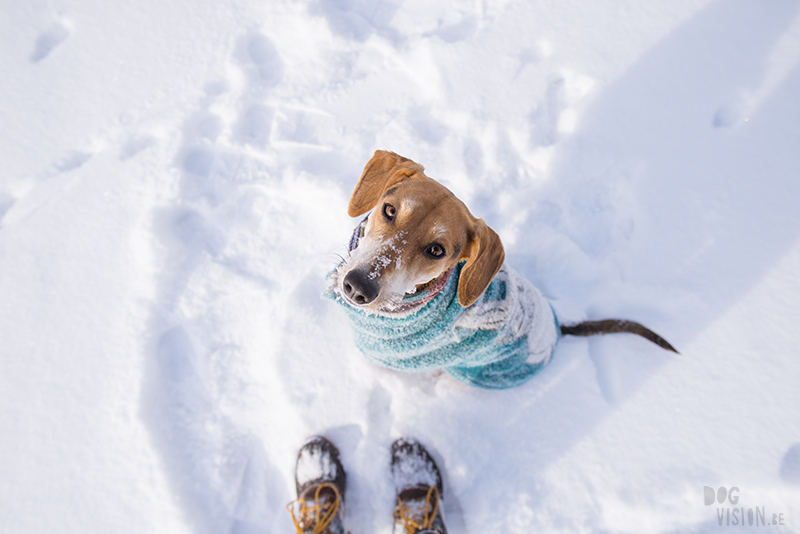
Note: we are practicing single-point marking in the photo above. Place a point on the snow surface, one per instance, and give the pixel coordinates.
(175, 177)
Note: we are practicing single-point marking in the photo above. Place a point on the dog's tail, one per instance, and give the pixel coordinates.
(610, 326)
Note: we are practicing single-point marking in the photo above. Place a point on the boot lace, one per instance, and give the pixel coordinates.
(316, 517)
(416, 522)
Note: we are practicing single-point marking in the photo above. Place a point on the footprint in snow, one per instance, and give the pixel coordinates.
(48, 40)
(790, 465)
(253, 127)
(198, 233)
(544, 119)
(379, 412)
(135, 145)
(6, 203)
(454, 33)
(426, 126)
(176, 355)
(198, 161)
(359, 19)
(730, 115)
(261, 54)
(72, 160)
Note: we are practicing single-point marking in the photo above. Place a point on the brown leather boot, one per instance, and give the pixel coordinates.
(418, 485)
(320, 481)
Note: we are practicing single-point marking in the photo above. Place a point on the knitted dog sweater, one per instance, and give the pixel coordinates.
(501, 341)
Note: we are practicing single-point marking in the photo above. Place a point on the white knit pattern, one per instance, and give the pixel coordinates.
(524, 310)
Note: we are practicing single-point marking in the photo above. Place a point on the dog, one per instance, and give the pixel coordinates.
(425, 286)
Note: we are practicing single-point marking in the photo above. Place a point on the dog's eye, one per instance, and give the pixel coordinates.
(389, 211)
(435, 251)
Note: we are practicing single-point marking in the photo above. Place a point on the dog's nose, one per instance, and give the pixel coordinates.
(358, 288)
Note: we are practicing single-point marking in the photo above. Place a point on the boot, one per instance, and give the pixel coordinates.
(320, 481)
(418, 486)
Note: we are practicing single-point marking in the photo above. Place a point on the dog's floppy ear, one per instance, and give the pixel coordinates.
(382, 171)
(485, 255)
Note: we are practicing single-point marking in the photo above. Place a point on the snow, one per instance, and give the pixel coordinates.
(314, 464)
(174, 190)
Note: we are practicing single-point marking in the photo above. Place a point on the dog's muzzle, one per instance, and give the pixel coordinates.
(358, 288)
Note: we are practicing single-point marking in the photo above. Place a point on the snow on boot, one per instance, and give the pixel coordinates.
(418, 485)
(320, 481)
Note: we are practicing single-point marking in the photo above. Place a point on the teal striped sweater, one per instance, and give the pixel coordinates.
(499, 342)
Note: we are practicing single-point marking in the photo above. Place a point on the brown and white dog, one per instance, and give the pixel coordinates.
(420, 231)
(420, 240)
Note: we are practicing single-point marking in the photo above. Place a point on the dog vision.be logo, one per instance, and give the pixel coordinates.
(736, 515)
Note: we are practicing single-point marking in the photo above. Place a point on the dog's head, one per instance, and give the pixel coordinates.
(417, 231)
